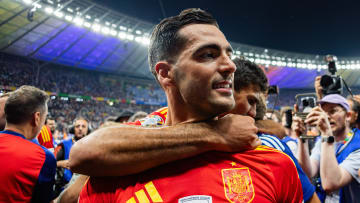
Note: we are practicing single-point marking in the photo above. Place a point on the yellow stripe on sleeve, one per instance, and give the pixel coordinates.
(153, 193)
(131, 200)
(141, 196)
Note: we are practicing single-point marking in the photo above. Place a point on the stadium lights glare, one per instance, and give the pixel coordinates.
(130, 37)
(59, 14)
(96, 27)
(138, 32)
(113, 32)
(68, 18)
(87, 24)
(122, 35)
(28, 2)
(78, 21)
(105, 30)
(49, 10)
(123, 28)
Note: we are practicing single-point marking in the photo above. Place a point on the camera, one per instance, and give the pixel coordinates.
(331, 84)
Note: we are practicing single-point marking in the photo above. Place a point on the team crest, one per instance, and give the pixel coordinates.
(238, 185)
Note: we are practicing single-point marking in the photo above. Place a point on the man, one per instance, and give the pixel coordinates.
(250, 85)
(62, 152)
(196, 77)
(46, 136)
(354, 110)
(27, 170)
(3, 99)
(337, 154)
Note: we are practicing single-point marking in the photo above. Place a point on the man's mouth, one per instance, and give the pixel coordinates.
(224, 86)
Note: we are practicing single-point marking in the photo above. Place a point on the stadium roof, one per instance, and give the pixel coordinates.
(82, 34)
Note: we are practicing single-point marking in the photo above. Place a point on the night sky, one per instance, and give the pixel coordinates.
(312, 27)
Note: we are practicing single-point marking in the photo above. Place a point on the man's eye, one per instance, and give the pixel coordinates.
(208, 55)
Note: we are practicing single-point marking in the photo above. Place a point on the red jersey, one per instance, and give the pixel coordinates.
(260, 175)
(45, 137)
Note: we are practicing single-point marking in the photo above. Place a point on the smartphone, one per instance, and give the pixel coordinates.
(306, 102)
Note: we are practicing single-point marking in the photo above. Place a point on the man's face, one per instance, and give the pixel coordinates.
(246, 100)
(203, 71)
(80, 128)
(354, 114)
(41, 122)
(51, 124)
(337, 117)
(2, 113)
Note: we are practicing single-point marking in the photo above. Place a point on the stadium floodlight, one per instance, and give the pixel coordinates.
(37, 5)
(87, 24)
(130, 37)
(28, 2)
(146, 41)
(123, 28)
(96, 27)
(88, 17)
(138, 32)
(59, 14)
(70, 10)
(138, 39)
(237, 52)
(49, 10)
(113, 32)
(78, 21)
(68, 18)
(105, 30)
(122, 35)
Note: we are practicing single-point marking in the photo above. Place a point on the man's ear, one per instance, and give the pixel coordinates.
(36, 121)
(163, 70)
(350, 115)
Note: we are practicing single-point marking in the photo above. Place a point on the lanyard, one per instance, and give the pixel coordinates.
(346, 140)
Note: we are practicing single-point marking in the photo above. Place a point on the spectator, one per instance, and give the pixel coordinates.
(62, 151)
(336, 155)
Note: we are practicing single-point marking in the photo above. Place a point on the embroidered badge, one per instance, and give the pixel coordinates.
(196, 199)
(238, 185)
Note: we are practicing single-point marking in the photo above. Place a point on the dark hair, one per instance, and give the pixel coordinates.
(248, 73)
(49, 118)
(165, 41)
(23, 102)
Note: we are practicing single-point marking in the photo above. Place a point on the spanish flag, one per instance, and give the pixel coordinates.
(45, 137)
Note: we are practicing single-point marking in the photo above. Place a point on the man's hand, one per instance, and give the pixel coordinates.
(298, 126)
(237, 132)
(63, 164)
(318, 88)
(317, 117)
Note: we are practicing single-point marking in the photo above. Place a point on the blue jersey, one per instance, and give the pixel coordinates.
(275, 142)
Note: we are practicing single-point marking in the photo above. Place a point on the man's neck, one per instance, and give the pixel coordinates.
(341, 135)
(179, 111)
(21, 129)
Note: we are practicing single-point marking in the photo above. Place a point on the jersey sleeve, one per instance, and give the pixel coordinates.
(274, 142)
(43, 191)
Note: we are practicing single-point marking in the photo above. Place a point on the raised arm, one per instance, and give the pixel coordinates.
(122, 150)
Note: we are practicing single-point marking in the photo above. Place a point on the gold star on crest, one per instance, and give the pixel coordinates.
(233, 164)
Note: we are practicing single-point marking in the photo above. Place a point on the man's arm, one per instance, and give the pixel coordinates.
(309, 166)
(122, 150)
(333, 177)
(71, 193)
